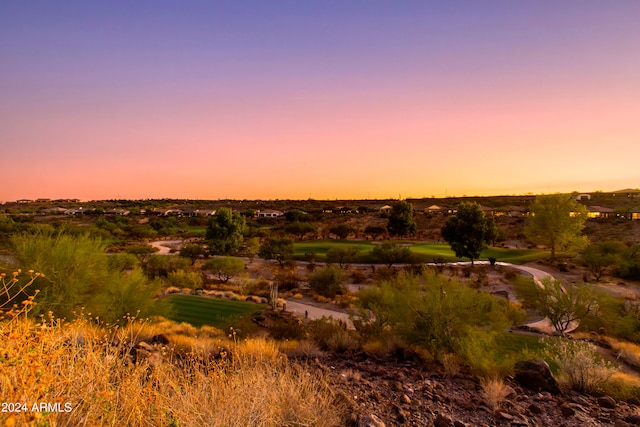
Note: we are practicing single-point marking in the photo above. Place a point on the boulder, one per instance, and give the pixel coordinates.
(370, 421)
(536, 375)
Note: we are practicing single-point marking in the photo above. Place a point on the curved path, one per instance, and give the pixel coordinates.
(316, 313)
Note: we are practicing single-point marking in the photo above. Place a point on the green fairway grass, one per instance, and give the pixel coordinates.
(199, 311)
(427, 252)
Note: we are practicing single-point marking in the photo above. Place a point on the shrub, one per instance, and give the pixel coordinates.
(581, 367)
(495, 392)
(327, 281)
(185, 279)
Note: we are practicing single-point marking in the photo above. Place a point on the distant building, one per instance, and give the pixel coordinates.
(583, 196)
(269, 213)
(599, 212)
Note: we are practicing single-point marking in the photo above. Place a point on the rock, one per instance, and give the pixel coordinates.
(504, 416)
(536, 375)
(459, 424)
(371, 421)
(633, 419)
(535, 409)
(406, 399)
(442, 421)
(144, 346)
(620, 423)
(567, 411)
(607, 402)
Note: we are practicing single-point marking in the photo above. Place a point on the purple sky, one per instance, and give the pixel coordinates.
(202, 99)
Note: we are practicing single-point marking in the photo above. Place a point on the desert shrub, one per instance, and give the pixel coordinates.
(357, 276)
(581, 367)
(287, 279)
(122, 261)
(333, 335)
(326, 281)
(435, 312)
(494, 392)
(185, 279)
(162, 265)
(486, 361)
(77, 275)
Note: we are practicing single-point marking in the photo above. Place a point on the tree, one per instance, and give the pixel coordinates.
(224, 233)
(469, 231)
(375, 231)
(142, 252)
(601, 257)
(300, 229)
(564, 306)
(278, 248)
(401, 221)
(341, 254)
(226, 268)
(390, 253)
(557, 222)
(193, 251)
(342, 230)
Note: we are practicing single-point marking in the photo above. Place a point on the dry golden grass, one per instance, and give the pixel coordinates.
(495, 392)
(85, 367)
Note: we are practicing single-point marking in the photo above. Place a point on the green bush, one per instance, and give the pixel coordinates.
(185, 279)
(326, 281)
(78, 276)
(581, 366)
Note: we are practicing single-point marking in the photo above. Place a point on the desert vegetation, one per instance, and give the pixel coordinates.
(114, 320)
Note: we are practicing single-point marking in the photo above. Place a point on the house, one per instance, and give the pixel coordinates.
(436, 209)
(599, 212)
(53, 211)
(117, 211)
(269, 213)
(583, 196)
(516, 211)
(383, 208)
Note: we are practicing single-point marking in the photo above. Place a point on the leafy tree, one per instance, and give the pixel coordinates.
(557, 222)
(296, 215)
(300, 229)
(601, 257)
(162, 265)
(193, 251)
(390, 253)
(341, 254)
(224, 233)
(629, 267)
(326, 281)
(278, 248)
(226, 268)
(401, 221)
(564, 305)
(469, 231)
(142, 252)
(342, 230)
(375, 231)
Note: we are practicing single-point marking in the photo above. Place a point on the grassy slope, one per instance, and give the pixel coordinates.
(200, 311)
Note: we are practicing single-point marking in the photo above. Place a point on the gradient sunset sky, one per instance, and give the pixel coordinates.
(317, 99)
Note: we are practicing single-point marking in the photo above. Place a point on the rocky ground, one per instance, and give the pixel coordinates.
(409, 393)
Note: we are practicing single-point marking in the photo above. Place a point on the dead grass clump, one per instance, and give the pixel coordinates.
(495, 392)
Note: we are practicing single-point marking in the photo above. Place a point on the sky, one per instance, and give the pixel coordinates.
(317, 99)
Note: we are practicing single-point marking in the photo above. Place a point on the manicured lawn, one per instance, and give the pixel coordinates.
(200, 311)
(429, 252)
